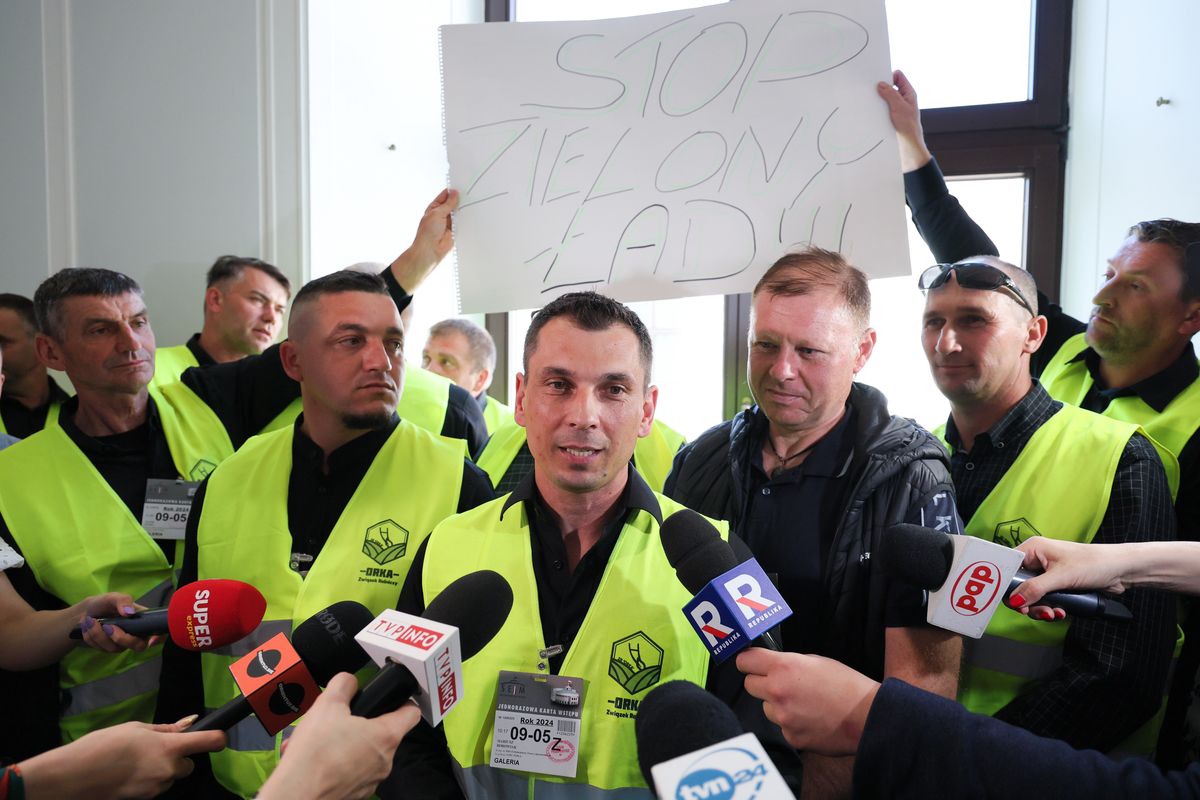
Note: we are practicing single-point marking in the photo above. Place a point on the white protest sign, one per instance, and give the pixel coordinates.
(670, 154)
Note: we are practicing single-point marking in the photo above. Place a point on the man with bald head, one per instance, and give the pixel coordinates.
(1026, 465)
(331, 508)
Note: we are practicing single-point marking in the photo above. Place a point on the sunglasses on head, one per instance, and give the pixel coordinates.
(973, 275)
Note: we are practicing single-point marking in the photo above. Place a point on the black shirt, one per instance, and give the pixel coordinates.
(23, 422)
(1108, 668)
(203, 359)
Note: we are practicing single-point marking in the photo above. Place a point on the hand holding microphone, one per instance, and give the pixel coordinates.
(201, 615)
(734, 600)
(337, 755)
(278, 680)
(970, 578)
(821, 705)
(96, 628)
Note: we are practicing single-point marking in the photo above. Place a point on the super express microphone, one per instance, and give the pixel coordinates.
(734, 599)
(423, 655)
(690, 745)
(201, 615)
(277, 681)
(969, 578)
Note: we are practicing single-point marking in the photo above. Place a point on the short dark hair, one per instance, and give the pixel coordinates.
(814, 268)
(479, 342)
(591, 311)
(227, 267)
(22, 306)
(345, 280)
(76, 282)
(1184, 239)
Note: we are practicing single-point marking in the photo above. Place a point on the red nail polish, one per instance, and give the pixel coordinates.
(1016, 601)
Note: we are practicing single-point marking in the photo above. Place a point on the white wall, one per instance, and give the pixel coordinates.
(150, 136)
(1128, 158)
(377, 156)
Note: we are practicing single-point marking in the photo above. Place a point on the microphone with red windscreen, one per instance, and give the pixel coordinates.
(201, 615)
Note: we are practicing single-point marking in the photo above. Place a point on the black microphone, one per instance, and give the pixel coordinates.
(679, 718)
(698, 553)
(676, 718)
(477, 604)
(925, 558)
(325, 643)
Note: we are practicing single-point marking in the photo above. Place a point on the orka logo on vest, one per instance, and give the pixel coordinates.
(1014, 531)
(636, 664)
(201, 469)
(383, 543)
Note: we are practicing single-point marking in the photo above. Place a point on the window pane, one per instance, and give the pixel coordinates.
(376, 157)
(898, 367)
(963, 52)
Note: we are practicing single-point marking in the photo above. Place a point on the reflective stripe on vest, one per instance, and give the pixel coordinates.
(96, 546)
(1026, 660)
(413, 483)
(423, 402)
(1169, 429)
(142, 679)
(620, 655)
(113, 689)
(1034, 499)
(652, 455)
(171, 362)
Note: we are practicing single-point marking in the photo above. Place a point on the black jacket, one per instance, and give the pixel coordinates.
(919, 745)
(896, 466)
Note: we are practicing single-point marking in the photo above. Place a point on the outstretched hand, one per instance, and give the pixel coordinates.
(433, 241)
(901, 99)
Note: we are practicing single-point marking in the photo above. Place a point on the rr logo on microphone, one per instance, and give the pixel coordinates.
(746, 591)
(725, 630)
(975, 588)
(708, 619)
